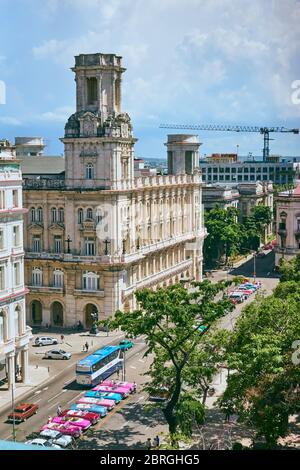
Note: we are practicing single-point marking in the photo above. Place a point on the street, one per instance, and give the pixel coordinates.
(131, 422)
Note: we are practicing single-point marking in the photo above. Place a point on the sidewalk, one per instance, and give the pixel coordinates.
(41, 374)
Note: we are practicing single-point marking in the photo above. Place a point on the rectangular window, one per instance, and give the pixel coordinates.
(2, 278)
(90, 282)
(189, 162)
(17, 274)
(15, 198)
(90, 247)
(58, 279)
(37, 277)
(36, 244)
(16, 235)
(57, 245)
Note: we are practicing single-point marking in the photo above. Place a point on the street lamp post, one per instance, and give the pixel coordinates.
(124, 365)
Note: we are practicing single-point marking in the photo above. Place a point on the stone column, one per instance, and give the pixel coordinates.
(24, 365)
(11, 370)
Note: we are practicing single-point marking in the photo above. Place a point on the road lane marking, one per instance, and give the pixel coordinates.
(132, 367)
(45, 388)
(36, 401)
(37, 392)
(74, 398)
(141, 360)
(55, 396)
(55, 404)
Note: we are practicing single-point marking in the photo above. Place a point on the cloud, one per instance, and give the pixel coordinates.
(60, 114)
(10, 121)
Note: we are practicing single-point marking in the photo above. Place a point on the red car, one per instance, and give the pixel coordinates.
(23, 411)
(89, 415)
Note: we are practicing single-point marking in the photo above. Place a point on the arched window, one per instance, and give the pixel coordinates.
(53, 215)
(58, 278)
(90, 281)
(89, 213)
(89, 171)
(61, 215)
(32, 214)
(37, 277)
(40, 214)
(80, 216)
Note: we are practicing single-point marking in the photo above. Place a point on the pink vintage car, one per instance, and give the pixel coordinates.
(74, 420)
(65, 428)
(109, 404)
(110, 383)
(121, 390)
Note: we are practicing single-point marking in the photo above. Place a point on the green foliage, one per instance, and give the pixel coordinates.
(170, 319)
(227, 237)
(263, 386)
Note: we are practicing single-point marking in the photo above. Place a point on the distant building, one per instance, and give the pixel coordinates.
(215, 170)
(288, 225)
(29, 146)
(243, 197)
(14, 334)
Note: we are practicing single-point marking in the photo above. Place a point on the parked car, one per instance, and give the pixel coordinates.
(65, 428)
(116, 389)
(63, 440)
(89, 415)
(100, 410)
(22, 412)
(126, 344)
(159, 395)
(238, 296)
(203, 328)
(116, 397)
(45, 341)
(82, 423)
(109, 404)
(46, 443)
(57, 354)
(246, 291)
(111, 383)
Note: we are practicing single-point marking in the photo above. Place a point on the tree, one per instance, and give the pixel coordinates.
(170, 319)
(263, 386)
(224, 234)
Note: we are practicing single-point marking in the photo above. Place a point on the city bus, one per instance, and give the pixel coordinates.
(99, 365)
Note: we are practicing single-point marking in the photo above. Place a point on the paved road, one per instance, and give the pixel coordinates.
(129, 424)
(63, 391)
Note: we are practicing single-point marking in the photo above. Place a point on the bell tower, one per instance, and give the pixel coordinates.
(98, 136)
(98, 84)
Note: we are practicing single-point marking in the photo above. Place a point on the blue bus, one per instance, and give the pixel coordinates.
(98, 366)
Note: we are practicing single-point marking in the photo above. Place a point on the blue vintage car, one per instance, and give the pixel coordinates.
(101, 410)
(108, 395)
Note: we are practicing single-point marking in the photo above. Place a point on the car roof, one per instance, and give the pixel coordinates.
(23, 406)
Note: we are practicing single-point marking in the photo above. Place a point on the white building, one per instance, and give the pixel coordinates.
(14, 334)
(288, 225)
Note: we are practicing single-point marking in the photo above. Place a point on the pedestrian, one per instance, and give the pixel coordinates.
(83, 347)
(87, 346)
(118, 373)
(134, 387)
(62, 338)
(148, 444)
(59, 410)
(49, 419)
(156, 441)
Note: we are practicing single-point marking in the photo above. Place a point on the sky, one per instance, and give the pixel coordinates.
(188, 62)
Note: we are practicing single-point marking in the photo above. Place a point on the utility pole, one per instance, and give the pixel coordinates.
(124, 365)
(254, 266)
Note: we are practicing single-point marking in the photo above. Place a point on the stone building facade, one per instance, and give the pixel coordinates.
(14, 334)
(287, 225)
(95, 237)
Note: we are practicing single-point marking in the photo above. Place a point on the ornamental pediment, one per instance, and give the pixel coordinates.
(36, 227)
(57, 228)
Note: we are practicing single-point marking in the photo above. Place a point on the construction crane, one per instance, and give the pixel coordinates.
(211, 127)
